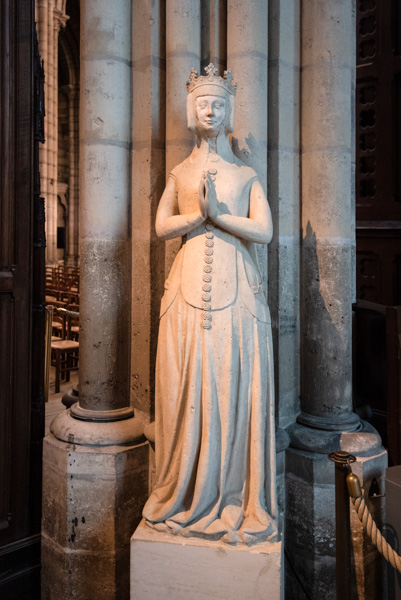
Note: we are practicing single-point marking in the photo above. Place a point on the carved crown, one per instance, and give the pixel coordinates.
(212, 78)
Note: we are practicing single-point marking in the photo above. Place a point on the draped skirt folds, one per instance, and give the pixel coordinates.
(215, 451)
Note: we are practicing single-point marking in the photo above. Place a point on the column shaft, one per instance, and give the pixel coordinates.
(183, 49)
(247, 35)
(214, 33)
(73, 187)
(284, 199)
(327, 53)
(148, 182)
(104, 210)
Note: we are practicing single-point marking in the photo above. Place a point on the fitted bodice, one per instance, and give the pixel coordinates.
(232, 182)
(214, 267)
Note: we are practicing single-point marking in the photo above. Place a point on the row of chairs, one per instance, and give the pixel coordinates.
(62, 294)
(62, 284)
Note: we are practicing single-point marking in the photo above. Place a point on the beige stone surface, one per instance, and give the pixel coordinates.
(165, 567)
(247, 53)
(215, 451)
(75, 431)
(105, 179)
(327, 219)
(284, 198)
(183, 50)
(92, 501)
(148, 182)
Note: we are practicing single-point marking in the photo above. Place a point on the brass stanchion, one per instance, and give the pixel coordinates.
(342, 461)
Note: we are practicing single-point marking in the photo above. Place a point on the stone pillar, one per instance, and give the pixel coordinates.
(247, 34)
(73, 183)
(214, 34)
(51, 17)
(247, 57)
(95, 461)
(183, 51)
(284, 198)
(104, 211)
(327, 216)
(148, 182)
(326, 422)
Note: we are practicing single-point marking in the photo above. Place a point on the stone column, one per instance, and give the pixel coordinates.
(247, 35)
(148, 182)
(95, 459)
(51, 17)
(214, 34)
(327, 215)
(73, 183)
(104, 212)
(326, 422)
(284, 199)
(183, 51)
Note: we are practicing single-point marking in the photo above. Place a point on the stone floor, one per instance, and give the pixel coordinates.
(54, 405)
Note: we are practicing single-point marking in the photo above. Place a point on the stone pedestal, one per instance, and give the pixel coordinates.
(167, 567)
(93, 498)
(310, 525)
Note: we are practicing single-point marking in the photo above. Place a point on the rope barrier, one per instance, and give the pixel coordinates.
(370, 526)
(355, 492)
(343, 462)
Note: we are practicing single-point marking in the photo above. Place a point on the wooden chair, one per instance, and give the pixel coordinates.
(64, 349)
(65, 358)
(59, 322)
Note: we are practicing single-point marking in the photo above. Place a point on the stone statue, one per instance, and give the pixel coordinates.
(215, 449)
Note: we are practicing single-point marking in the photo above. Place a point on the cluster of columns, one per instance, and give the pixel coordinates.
(327, 422)
(259, 41)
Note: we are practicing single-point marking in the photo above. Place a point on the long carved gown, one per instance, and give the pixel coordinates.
(215, 451)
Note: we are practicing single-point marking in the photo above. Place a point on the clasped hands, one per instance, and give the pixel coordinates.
(208, 203)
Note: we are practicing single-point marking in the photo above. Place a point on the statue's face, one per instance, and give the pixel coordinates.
(210, 112)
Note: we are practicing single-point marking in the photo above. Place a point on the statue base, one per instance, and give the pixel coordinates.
(168, 567)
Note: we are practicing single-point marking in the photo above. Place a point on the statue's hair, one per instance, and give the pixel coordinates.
(212, 90)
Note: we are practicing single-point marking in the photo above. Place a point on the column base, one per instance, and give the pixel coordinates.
(310, 524)
(70, 397)
(168, 567)
(91, 433)
(101, 416)
(342, 422)
(92, 501)
(364, 441)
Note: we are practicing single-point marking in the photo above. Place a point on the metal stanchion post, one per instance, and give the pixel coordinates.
(342, 461)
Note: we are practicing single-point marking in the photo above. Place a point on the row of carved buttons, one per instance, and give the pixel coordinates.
(207, 277)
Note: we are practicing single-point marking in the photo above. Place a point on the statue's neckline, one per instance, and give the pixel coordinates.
(199, 158)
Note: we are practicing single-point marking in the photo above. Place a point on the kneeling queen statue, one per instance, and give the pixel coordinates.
(215, 448)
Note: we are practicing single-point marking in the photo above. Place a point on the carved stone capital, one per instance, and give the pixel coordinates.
(59, 19)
